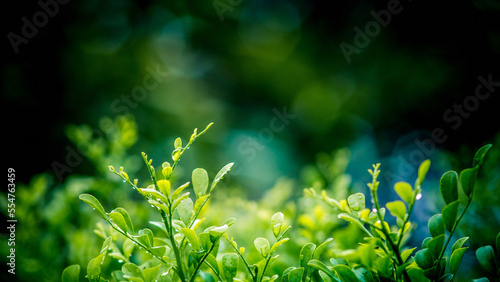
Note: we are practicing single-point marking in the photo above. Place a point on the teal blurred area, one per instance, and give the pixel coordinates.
(102, 81)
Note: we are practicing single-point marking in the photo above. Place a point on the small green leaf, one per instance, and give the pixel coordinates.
(178, 143)
(486, 257)
(128, 247)
(277, 244)
(143, 239)
(95, 204)
(276, 222)
(192, 238)
(468, 179)
(405, 191)
(435, 245)
(179, 190)
(356, 201)
(306, 254)
(459, 243)
(71, 273)
(262, 245)
(455, 259)
(345, 273)
(200, 181)
(422, 172)
(164, 186)
(220, 175)
(407, 253)
(230, 265)
(217, 232)
(185, 210)
(449, 213)
(350, 218)
(423, 258)
(213, 262)
(126, 217)
(449, 186)
(133, 271)
(319, 250)
(118, 220)
(295, 275)
(436, 225)
(154, 194)
(397, 209)
(322, 267)
(151, 273)
(159, 251)
(480, 155)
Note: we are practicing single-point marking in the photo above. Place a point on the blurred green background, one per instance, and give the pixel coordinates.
(271, 75)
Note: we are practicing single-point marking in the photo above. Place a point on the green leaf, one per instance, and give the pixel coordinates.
(405, 191)
(455, 259)
(200, 181)
(368, 254)
(480, 155)
(262, 245)
(179, 190)
(164, 185)
(423, 258)
(118, 220)
(459, 243)
(322, 267)
(133, 271)
(417, 275)
(185, 210)
(319, 250)
(295, 275)
(276, 222)
(468, 179)
(126, 217)
(192, 238)
(306, 254)
(448, 184)
(345, 273)
(436, 225)
(151, 273)
(154, 194)
(356, 201)
(449, 213)
(205, 241)
(128, 247)
(498, 246)
(159, 251)
(179, 200)
(350, 218)
(397, 209)
(216, 232)
(277, 244)
(435, 245)
(95, 204)
(178, 143)
(230, 265)
(143, 239)
(213, 262)
(220, 175)
(486, 257)
(71, 273)
(422, 172)
(407, 253)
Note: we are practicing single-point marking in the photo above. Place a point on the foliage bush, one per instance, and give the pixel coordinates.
(184, 245)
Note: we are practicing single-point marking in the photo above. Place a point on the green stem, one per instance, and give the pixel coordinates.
(265, 267)
(451, 234)
(201, 262)
(243, 259)
(213, 269)
(168, 223)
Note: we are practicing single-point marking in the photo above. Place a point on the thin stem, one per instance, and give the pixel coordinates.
(201, 262)
(213, 269)
(451, 234)
(168, 222)
(265, 267)
(243, 259)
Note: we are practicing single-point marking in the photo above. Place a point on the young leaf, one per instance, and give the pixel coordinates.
(230, 265)
(306, 254)
(322, 267)
(455, 259)
(126, 217)
(295, 275)
(200, 181)
(423, 258)
(404, 191)
(407, 253)
(459, 243)
(436, 225)
(449, 213)
(118, 220)
(449, 186)
(164, 186)
(151, 273)
(262, 245)
(178, 143)
(276, 222)
(71, 273)
(468, 179)
(486, 257)
(192, 238)
(95, 204)
(435, 245)
(321, 248)
(397, 209)
(277, 244)
(185, 210)
(480, 155)
(220, 175)
(356, 201)
(128, 247)
(345, 273)
(131, 270)
(422, 172)
(213, 262)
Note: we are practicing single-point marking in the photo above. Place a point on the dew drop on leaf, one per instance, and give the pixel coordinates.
(374, 210)
(120, 261)
(419, 196)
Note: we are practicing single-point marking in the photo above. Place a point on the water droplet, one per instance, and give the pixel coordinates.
(339, 216)
(120, 261)
(419, 196)
(124, 181)
(374, 210)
